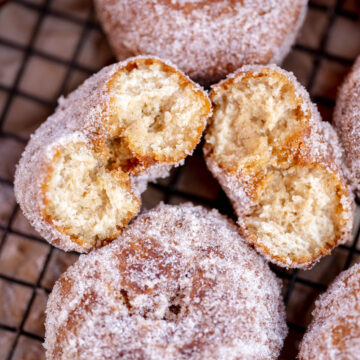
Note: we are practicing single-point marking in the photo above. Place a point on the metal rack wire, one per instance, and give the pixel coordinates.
(169, 188)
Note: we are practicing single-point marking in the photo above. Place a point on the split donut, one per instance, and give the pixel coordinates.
(279, 165)
(80, 178)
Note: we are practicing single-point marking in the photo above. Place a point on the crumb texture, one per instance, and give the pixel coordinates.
(296, 213)
(334, 333)
(267, 146)
(207, 39)
(86, 201)
(160, 114)
(347, 123)
(179, 283)
(255, 119)
(80, 178)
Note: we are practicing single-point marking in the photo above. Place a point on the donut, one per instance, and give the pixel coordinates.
(207, 39)
(347, 123)
(279, 165)
(80, 177)
(334, 332)
(178, 283)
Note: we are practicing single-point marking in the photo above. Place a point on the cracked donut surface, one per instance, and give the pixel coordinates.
(80, 178)
(179, 283)
(279, 164)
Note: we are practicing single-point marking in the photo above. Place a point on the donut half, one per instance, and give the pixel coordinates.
(81, 175)
(277, 162)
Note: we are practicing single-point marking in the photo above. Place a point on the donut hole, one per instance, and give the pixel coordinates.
(172, 313)
(253, 119)
(175, 308)
(126, 300)
(163, 308)
(84, 199)
(297, 213)
(158, 112)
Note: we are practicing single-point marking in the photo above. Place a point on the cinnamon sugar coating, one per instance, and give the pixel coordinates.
(207, 39)
(334, 333)
(347, 123)
(179, 283)
(81, 175)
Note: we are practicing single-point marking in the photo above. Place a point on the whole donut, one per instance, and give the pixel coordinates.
(334, 333)
(179, 283)
(206, 38)
(347, 123)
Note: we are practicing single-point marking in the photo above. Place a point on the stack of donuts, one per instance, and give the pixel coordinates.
(184, 282)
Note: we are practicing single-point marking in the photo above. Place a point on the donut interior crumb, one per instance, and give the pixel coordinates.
(158, 117)
(296, 213)
(254, 118)
(255, 131)
(86, 200)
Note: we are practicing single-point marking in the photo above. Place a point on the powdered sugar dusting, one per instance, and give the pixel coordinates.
(207, 39)
(179, 283)
(347, 122)
(335, 329)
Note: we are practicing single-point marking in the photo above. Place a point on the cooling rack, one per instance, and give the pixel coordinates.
(47, 48)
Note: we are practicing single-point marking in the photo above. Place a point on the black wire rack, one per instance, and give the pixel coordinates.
(298, 285)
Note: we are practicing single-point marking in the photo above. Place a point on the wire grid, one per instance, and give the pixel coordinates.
(168, 190)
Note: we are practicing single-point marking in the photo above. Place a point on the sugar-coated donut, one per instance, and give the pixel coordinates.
(279, 165)
(80, 177)
(347, 123)
(179, 283)
(334, 333)
(207, 39)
